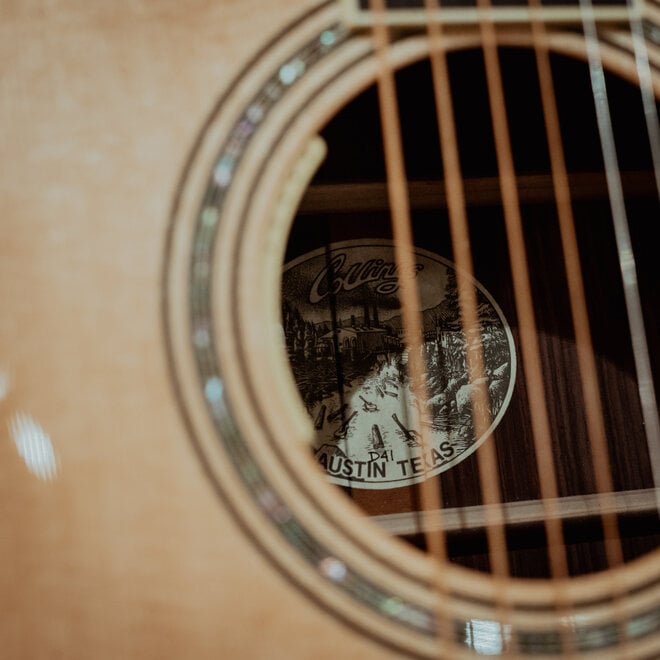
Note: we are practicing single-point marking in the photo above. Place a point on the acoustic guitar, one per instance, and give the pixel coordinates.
(330, 328)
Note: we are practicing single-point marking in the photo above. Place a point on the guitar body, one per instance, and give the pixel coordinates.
(124, 533)
(127, 552)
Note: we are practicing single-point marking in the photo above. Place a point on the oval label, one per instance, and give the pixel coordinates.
(343, 329)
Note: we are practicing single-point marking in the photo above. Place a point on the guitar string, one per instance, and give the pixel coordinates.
(488, 474)
(528, 333)
(643, 70)
(548, 484)
(577, 299)
(487, 459)
(593, 410)
(463, 257)
(512, 210)
(583, 341)
(627, 267)
(532, 368)
(584, 346)
(487, 465)
(458, 223)
(456, 203)
(595, 420)
(600, 455)
(404, 256)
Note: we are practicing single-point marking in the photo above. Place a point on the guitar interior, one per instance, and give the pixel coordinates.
(347, 201)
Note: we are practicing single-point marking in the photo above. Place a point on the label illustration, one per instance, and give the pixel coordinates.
(344, 336)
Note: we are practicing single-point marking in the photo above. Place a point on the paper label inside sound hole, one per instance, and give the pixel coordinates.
(344, 337)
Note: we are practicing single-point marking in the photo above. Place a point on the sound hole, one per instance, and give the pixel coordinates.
(347, 201)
